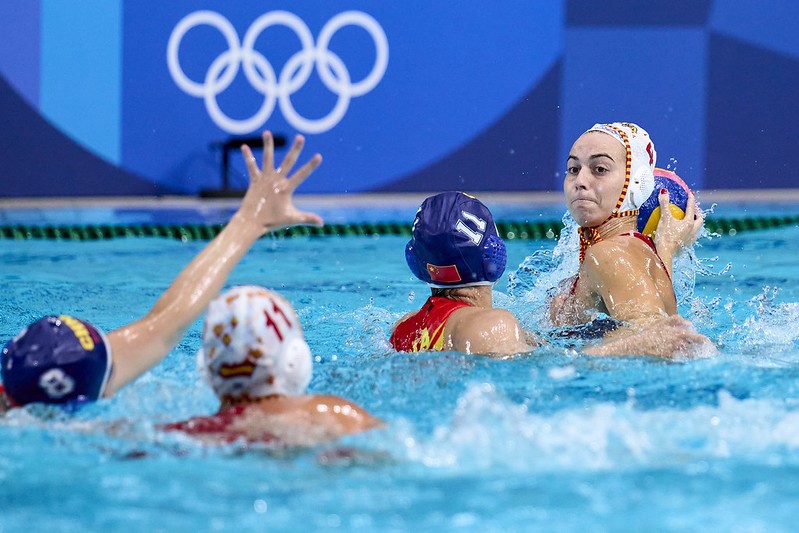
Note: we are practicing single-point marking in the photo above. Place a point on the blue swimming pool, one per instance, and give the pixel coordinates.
(552, 441)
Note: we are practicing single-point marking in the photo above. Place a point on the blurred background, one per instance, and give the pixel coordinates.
(113, 98)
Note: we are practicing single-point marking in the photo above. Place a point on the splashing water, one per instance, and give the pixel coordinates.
(544, 271)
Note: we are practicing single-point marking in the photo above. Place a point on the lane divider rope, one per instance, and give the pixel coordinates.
(548, 229)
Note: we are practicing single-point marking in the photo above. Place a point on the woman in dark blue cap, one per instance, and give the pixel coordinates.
(62, 359)
(456, 250)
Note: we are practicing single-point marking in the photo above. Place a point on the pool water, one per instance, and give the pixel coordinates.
(551, 441)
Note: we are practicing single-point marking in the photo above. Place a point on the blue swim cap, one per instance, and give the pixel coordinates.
(455, 243)
(57, 359)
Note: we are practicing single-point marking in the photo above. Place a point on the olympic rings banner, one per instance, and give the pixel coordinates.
(138, 97)
(377, 88)
(261, 75)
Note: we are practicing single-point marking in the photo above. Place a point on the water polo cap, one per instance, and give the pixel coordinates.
(254, 346)
(57, 359)
(639, 181)
(639, 178)
(455, 243)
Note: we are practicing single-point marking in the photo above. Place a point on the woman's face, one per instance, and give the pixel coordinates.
(595, 173)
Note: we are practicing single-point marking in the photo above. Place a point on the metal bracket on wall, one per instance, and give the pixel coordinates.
(235, 143)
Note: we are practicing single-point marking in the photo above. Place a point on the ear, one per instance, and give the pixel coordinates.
(641, 186)
(495, 258)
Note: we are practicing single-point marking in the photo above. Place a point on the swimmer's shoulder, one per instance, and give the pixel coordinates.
(483, 331)
(473, 315)
(348, 415)
(620, 252)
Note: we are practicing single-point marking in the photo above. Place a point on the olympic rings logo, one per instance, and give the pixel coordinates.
(261, 75)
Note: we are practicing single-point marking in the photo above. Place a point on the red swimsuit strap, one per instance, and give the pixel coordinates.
(649, 242)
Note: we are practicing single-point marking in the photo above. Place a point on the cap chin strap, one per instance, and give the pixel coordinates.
(591, 235)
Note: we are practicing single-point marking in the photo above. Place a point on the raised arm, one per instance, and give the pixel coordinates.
(620, 275)
(267, 206)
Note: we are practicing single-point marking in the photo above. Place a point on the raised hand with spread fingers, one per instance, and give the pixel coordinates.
(269, 198)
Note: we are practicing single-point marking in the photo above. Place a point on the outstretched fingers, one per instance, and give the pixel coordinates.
(309, 219)
(304, 171)
(252, 164)
(292, 156)
(269, 151)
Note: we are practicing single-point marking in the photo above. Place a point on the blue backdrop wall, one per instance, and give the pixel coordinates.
(105, 97)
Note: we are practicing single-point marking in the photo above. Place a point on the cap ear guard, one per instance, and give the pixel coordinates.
(413, 263)
(296, 366)
(641, 186)
(495, 258)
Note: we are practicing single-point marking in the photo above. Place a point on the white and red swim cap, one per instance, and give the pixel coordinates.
(641, 161)
(254, 346)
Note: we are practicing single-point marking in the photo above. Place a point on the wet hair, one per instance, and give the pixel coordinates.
(451, 293)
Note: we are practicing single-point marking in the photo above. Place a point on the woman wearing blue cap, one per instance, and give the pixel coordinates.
(456, 250)
(61, 359)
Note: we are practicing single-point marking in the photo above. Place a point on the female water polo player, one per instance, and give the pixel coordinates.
(622, 273)
(255, 358)
(61, 359)
(456, 250)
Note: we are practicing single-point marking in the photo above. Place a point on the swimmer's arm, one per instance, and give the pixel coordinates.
(671, 234)
(669, 337)
(488, 331)
(617, 274)
(267, 206)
